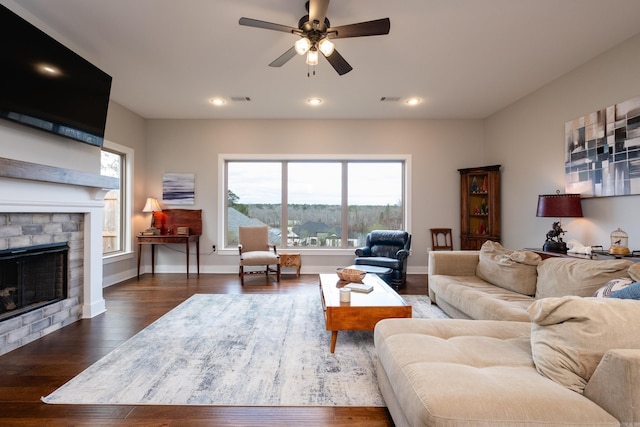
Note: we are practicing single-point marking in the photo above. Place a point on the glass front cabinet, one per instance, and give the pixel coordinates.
(480, 206)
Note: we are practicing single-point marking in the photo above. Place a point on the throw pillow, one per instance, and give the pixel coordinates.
(570, 335)
(558, 277)
(612, 286)
(628, 292)
(508, 269)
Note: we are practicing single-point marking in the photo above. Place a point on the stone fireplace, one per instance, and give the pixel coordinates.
(32, 278)
(44, 205)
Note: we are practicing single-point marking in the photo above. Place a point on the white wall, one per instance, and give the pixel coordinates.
(438, 149)
(32, 145)
(527, 138)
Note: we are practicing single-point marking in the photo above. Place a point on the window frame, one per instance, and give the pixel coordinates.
(222, 191)
(126, 208)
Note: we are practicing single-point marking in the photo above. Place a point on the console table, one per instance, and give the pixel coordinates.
(168, 222)
(596, 255)
(163, 239)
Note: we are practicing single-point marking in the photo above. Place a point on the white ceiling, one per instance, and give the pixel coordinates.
(464, 58)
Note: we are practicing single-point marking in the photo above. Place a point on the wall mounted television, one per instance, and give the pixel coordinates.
(45, 85)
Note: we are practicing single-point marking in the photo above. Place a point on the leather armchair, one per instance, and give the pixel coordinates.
(387, 248)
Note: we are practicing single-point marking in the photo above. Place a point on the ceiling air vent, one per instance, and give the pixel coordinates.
(240, 98)
(390, 99)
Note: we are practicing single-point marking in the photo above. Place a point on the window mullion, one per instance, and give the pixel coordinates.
(345, 205)
(285, 204)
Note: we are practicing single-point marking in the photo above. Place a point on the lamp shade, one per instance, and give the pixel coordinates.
(326, 47)
(302, 46)
(152, 205)
(559, 206)
(312, 57)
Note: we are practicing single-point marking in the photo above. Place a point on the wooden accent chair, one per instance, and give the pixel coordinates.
(441, 239)
(255, 250)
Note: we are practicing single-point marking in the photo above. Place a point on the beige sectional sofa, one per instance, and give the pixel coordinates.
(499, 284)
(542, 351)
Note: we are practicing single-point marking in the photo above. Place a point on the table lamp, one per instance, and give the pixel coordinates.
(152, 206)
(558, 206)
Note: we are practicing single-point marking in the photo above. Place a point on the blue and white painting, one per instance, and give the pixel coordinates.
(178, 188)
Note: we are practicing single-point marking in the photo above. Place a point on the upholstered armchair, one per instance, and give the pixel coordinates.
(255, 250)
(387, 248)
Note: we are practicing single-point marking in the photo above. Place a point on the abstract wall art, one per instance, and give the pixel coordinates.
(602, 151)
(178, 188)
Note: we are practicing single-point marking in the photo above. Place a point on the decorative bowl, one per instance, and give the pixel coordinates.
(350, 274)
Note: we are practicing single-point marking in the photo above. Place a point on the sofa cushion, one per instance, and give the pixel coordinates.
(472, 373)
(628, 292)
(512, 270)
(612, 286)
(570, 335)
(558, 277)
(634, 271)
(478, 299)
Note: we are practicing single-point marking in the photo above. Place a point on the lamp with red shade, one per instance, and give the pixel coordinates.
(558, 206)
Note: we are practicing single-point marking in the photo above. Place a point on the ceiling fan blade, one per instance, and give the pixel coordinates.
(377, 27)
(284, 58)
(339, 63)
(318, 11)
(267, 25)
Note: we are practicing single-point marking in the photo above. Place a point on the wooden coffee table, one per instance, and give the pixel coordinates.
(364, 310)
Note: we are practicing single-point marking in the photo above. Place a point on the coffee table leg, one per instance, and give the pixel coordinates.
(334, 338)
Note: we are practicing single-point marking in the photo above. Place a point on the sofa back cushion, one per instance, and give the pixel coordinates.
(558, 277)
(570, 335)
(508, 269)
(634, 271)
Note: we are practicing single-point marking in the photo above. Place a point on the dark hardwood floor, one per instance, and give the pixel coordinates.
(37, 369)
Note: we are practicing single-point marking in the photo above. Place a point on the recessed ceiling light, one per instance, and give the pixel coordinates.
(314, 101)
(413, 101)
(48, 69)
(217, 101)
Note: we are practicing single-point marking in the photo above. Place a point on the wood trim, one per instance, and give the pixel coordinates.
(10, 168)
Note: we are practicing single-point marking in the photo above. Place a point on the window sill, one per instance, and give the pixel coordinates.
(302, 251)
(117, 257)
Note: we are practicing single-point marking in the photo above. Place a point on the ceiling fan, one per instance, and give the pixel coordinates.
(315, 33)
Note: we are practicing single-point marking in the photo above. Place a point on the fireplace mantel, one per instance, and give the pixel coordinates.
(10, 168)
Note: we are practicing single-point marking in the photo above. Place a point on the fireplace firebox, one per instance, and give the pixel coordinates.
(32, 277)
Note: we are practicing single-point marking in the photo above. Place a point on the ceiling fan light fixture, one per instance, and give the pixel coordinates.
(326, 47)
(312, 57)
(314, 101)
(217, 101)
(302, 46)
(413, 101)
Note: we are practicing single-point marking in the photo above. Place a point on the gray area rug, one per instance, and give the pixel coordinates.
(237, 350)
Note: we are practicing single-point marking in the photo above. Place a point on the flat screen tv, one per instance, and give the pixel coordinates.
(45, 85)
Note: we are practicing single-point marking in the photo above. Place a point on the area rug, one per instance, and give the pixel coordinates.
(237, 350)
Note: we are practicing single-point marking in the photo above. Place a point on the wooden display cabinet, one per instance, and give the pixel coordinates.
(479, 206)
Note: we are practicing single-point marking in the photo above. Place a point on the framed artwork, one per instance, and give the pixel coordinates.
(178, 188)
(602, 151)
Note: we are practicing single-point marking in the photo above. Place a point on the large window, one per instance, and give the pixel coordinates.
(116, 162)
(331, 203)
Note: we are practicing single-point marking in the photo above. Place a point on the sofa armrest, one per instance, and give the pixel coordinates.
(453, 263)
(615, 385)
